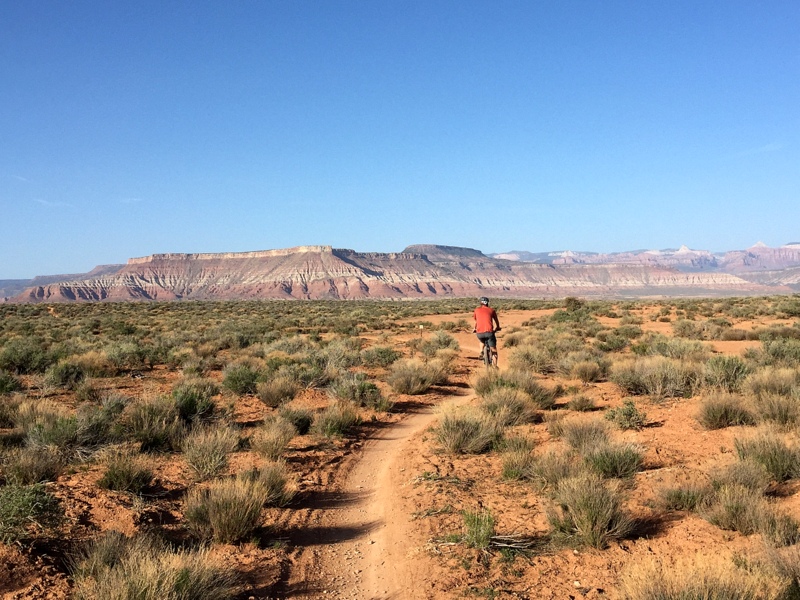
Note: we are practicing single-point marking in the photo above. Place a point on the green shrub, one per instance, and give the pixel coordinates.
(65, 374)
(413, 377)
(657, 376)
(780, 460)
(114, 567)
(336, 420)
(126, 472)
(25, 509)
(193, 399)
(277, 391)
(207, 449)
(532, 358)
(439, 341)
(379, 356)
(780, 410)
(155, 424)
(552, 467)
(301, 418)
(9, 383)
(355, 388)
(733, 507)
(241, 378)
(725, 372)
(25, 355)
(627, 416)
(467, 433)
(581, 403)
(589, 511)
(272, 437)
(88, 391)
(478, 528)
(770, 380)
(721, 410)
(684, 497)
(618, 461)
(518, 459)
(746, 473)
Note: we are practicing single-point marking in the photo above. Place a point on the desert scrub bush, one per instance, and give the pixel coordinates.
(781, 352)
(31, 464)
(550, 468)
(542, 397)
(95, 364)
(699, 578)
(627, 416)
(725, 372)
(126, 471)
(734, 507)
(271, 438)
(532, 358)
(723, 409)
(771, 380)
(114, 567)
(66, 374)
(768, 449)
(25, 355)
(413, 377)
(582, 435)
(746, 473)
(355, 387)
(783, 411)
(155, 424)
(587, 371)
(241, 378)
(206, 449)
(656, 376)
(379, 356)
(688, 496)
(518, 459)
(467, 433)
(127, 356)
(301, 418)
(336, 420)
(661, 345)
(508, 407)
(581, 403)
(229, 510)
(478, 528)
(439, 341)
(589, 512)
(88, 391)
(277, 391)
(193, 399)
(614, 461)
(9, 383)
(26, 509)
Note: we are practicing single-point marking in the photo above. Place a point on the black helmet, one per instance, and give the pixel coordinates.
(484, 300)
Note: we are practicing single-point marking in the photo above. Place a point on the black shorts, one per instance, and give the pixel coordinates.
(488, 338)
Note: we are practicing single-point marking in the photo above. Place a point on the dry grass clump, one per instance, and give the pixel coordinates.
(277, 391)
(9, 383)
(581, 403)
(241, 378)
(355, 387)
(26, 510)
(518, 458)
(193, 399)
(627, 416)
(114, 567)
(229, 510)
(550, 468)
(589, 512)
(783, 411)
(336, 420)
(508, 407)
(468, 433)
(155, 424)
(301, 418)
(656, 376)
(772, 380)
(614, 461)
(413, 377)
(698, 578)
(584, 435)
(746, 473)
(723, 409)
(126, 472)
(206, 449)
(688, 496)
(272, 437)
(31, 464)
(532, 358)
(725, 372)
(768, 449)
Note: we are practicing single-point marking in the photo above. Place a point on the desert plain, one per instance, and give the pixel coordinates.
(360, 449)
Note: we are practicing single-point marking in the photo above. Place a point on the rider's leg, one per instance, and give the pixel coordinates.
(494, 356)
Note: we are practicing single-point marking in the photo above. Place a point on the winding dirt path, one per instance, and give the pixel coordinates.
(365, 546)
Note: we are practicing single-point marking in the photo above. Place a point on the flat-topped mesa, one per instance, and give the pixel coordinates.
(218, 255)
(434, 251)
(344, 252)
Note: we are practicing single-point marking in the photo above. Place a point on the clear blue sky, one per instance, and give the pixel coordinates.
(129, 128)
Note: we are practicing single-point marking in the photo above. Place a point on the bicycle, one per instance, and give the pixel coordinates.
(489, 358)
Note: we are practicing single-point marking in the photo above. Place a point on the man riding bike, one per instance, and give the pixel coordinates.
(486, 324)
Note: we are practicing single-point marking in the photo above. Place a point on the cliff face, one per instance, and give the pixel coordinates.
(320, 272)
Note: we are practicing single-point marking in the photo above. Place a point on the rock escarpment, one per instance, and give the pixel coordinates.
(323, 272)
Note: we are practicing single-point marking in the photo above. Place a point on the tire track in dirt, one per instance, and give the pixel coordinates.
(364, 545)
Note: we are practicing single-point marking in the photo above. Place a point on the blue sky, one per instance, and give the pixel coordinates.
(133, 128)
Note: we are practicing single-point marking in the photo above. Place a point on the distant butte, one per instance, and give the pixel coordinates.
(422, 271)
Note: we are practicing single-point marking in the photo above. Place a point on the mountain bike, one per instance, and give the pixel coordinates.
(487, 354)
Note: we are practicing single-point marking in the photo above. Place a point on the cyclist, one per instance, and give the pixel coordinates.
(486, 324)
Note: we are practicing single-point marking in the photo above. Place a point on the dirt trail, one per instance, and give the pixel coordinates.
(367, 544)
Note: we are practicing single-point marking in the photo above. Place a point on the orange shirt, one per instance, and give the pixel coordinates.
(484, 316)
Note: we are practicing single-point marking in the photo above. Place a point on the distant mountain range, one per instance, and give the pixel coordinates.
(421, 271)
